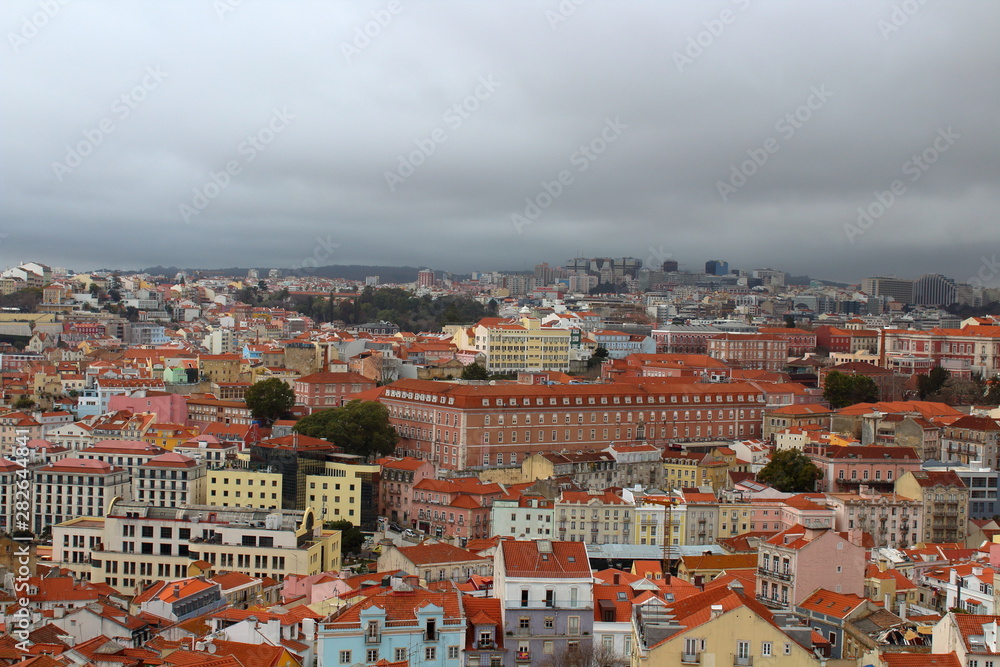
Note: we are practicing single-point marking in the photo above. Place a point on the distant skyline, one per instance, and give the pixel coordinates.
(838, 139)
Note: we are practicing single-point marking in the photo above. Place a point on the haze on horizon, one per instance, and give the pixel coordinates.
(744, 130)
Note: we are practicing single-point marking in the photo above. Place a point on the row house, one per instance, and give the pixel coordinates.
(205, 409)
(965, 586)
(459, 507)
(795, 562)
(971, 439)
(795, 416)
(848, 341)
(593, 517)
(395, 485)
(893, 520)
(479, 426)
(169, 480)
(141, 543)
(767, 352)
(848, 467)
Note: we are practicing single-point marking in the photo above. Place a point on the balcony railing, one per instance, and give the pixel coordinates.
(775, 574)
(690, 658)
(742, 661)
(522, 656)
(774, 603)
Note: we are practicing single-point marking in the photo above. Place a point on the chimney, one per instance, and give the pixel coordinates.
(177, 591)
(412, 580)
(618, 579)
(666, 577)
(902, 610)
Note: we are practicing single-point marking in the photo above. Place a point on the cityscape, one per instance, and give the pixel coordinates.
(546, 333)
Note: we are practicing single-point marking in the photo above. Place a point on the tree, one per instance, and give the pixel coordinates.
(269, 400)
(24, 403)
(958, 391)
(841, 389)
(790, 471)
(360, 427)
(475, 371)
(789, 322)
(587, 654)
(932, 382)
(598, 357)
(351, 537)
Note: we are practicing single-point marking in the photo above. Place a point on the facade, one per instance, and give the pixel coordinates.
(547, 595)
(252, 486)
(971, 349)
(141, 543)
(892, 520)
(971, 439)
(523, 516)
(767, 352)
(344, 490)
(849, 467)
(459, 507)
(596, 518)
(511, 346)
(945, 500)
(395, 485)
(76, 487)
(323, 391)
(479, 426)
(402, 623)
(169, 480)
(795, 562)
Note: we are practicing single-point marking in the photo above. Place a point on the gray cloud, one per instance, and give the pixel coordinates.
(358, 109)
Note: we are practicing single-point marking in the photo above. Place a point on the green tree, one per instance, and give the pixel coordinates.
(269, 400)
(360, 427)
(475, 371)
(789, 322)
(841, 389)
(597, 358)
(958, 391)
(24, 403)
(351, 537)
(790, 471)
(932, 382)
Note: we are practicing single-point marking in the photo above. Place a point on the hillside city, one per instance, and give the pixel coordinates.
(608, 463)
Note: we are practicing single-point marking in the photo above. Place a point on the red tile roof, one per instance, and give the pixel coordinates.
(527, 559)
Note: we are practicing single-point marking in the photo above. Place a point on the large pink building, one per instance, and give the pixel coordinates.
(395, 485)
(847, 468)
(459, 507)
(322, 391)
(795, 562)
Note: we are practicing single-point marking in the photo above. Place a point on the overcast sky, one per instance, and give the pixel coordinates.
(266, 133)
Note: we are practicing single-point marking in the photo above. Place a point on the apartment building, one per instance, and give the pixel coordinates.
(602, 517)
(767, 352)
(523, 516)
(142, 543)
(971, 349)
(72, 488)
(893, 520)
(945, 500)
(547, 595)
(344, 490)
(478, 426)
(169, 480)
(323, 391)
(127, 454)
(971, 439)
(395, 485)
(849, 467)
(511, 346)
(244, 486)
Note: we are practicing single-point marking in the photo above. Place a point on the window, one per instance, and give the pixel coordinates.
(548, 648)
(524, 597)
(765, 649)
(400, 654)
(430, 653)
(572, 625)
(550, 622)
(345, 657)
(452, 653)
(372, 655)
(742, 649)
(788, 648)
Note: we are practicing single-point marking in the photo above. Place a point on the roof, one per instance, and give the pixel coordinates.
(829, 603)
(545, 559)
(920, 660)
(431, 553)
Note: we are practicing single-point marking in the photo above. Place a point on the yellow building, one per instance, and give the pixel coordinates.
(653, 520)
(341, 491)
(224, 368)
(169, 436)
(680, 470)
(517, 345)
(244, 487)
(719, 627)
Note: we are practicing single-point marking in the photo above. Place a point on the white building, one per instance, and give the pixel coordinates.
(76, 487)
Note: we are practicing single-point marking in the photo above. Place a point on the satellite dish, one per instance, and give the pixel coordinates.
(211, 649)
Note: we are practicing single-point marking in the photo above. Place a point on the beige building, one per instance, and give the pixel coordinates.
(244, 487)
(76, 487)
(594, 517)
(141, 543)
(517, 345)
(343, 491)
(945, 500)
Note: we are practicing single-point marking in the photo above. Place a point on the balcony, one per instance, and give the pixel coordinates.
(522, 656)
(486, 645)
(373, 638)
(690, 658)
(773, 603)
(742, 661)
(775, 574)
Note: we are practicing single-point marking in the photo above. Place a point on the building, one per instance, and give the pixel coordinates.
(401, 623)
(523, 516)
(478, 426)
(892, 520)
(395, 485)
(547, 595)
(945, 499)
(322, 391)
(767, 352)
(435, 561)
(425, 278)
(795, 416)
(795, 562)
(344, 489)
(933, 289)
(169, 480)
(72, 488)
(594, 517)
(971, 637)
(244, 486)
(458, 508)
(141, 543)
(849, 467)
(513, 346)
(971, 439)
(898, 289)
